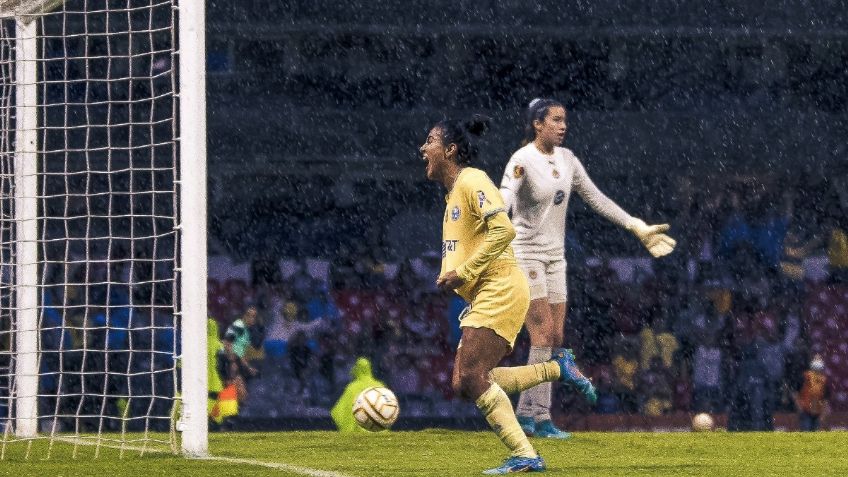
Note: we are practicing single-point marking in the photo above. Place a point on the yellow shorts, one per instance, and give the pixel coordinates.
(500, 302)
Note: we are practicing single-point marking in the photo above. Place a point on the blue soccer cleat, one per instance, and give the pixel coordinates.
(570, 374)
(518, 464)
(528, 425)
(548, 430)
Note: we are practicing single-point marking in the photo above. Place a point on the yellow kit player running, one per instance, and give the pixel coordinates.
(478, 263)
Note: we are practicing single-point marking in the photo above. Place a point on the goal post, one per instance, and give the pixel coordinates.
(26, 230)
(103, 224)
(193, 225)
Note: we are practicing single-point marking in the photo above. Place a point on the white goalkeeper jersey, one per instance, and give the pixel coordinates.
(536, 188)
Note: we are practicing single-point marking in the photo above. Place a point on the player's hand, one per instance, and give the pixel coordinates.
(652, 237)
(449, 281)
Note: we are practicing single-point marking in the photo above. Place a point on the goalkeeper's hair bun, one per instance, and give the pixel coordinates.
(464, 135)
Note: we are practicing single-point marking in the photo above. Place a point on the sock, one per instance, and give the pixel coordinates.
(525, 378)
(495, 406)
(526, 407)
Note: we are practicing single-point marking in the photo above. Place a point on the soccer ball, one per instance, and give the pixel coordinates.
(702, 422)
(376, 409)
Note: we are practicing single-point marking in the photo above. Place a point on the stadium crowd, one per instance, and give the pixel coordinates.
(727, 324)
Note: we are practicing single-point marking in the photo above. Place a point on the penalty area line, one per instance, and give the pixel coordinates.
(295, 469)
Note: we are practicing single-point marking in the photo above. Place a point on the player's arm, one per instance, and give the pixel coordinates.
(499, 233)
(486, 204)
(651, 236)
(511, 182)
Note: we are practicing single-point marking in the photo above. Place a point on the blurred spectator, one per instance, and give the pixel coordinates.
(706, 375)
(772, 353)
(213, 378)
(240, 331)
(296, 335)
(328, 351)
(320, 305)
(300, 355)
(302, 284)
(233, 371)
(655, 388)
(736, 229)
(292, 321)
(771, 225)
(812, 401)
(362, 380)
(749, 406)
(625, 366)
(796, 248)
(404, 377)
(751, 239)
(837, 255)
(657, 342)
(608, 401)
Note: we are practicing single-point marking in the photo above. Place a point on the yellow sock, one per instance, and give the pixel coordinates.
(518, 378)
(495, 406)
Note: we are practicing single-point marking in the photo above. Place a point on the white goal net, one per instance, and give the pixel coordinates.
(90, 229)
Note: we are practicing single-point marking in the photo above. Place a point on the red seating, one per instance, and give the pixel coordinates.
(826, 315)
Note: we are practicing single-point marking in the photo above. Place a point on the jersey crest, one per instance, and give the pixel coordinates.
(518, 172)
(559, 197)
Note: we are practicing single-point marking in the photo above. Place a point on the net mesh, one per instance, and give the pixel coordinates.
(107, 222)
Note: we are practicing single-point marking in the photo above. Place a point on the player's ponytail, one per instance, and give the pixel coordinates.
(478, 124)
(536, 111)
(464, 134)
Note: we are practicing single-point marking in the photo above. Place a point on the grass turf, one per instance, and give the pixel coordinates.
(455, 453)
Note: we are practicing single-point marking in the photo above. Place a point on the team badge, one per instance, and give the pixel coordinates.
(518, 172)
(455, 213)
(556, 174)
(533, 274)
(559, 197)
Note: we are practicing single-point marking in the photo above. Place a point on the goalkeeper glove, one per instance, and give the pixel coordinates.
(652, 237)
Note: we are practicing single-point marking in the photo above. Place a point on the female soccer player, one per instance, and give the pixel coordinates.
(536, 187)
(478, 263)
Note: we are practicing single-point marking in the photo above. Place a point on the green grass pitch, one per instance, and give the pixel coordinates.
(456, 453)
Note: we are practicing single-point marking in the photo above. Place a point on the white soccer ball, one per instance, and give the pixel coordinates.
(376, 409)
(702, 422)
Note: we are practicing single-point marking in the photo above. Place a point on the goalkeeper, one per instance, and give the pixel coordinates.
(536, 186)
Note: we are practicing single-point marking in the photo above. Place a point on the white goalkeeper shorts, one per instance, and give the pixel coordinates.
(546, 278)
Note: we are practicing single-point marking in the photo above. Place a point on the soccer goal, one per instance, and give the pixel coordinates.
(103, 224)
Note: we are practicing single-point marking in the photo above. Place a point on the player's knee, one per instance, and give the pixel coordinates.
(468, 384)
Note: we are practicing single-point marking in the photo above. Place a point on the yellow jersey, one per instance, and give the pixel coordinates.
(476, 234)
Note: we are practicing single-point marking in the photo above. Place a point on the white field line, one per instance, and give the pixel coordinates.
(295, 469)
(279, 466)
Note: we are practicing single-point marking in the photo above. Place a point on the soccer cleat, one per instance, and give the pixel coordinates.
(518, 464)
(548, 430)
(570, 374)
(528, 425)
